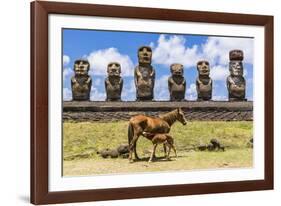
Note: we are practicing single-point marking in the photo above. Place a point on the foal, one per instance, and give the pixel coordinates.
(165, 139)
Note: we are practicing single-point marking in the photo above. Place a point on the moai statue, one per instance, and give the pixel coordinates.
(114, 82)
(236, 83)
(81, 82)
(144, 75)
(176, 83)
(203, 82)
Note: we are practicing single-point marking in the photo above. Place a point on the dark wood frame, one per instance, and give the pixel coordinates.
(39, 102)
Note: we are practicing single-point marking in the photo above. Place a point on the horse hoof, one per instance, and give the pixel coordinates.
(131, 161)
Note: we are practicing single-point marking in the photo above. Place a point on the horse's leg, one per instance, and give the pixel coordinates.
(169, 150)
(135, 150)
(131, 147)
(173, 147)
(165, 149)
(153, 152)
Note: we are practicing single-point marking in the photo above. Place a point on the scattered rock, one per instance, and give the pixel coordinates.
(104, 153)
(202, 147)
(210, 147)
(123, 149)
(113, 153)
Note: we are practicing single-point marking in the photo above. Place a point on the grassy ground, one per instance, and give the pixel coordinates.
(82, 141)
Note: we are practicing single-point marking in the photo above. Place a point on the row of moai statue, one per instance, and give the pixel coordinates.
(144, 76)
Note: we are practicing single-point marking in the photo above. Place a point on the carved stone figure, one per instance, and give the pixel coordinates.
(176, 83)
(203, 82)
(144, 75)
(81, 82)
(114, 82)
(236, 83)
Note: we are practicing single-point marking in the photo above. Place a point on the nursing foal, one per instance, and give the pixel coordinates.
(165, 139)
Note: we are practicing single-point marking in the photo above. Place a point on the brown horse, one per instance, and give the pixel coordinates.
(157, 125)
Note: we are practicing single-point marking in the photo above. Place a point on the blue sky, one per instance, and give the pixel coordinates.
(102, 47)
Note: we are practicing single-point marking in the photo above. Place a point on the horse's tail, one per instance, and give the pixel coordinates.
(130, 133)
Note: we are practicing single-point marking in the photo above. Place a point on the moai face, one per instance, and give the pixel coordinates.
(114, 69)
(176, 69)
(236, 68)
(81, 82)
(176, 83)
(203, 82)
(235, 65)
(114, 82)
(145, 55)
(203, 68)
(81, 67)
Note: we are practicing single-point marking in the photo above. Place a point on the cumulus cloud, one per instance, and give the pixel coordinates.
(191, 92)
(219, 72)
(96, 94)
(216, 49)
(99, 60)
(67, 72)
(172, 49)
(66, 60)
(220, 98)
(129, 90)
(67, 94)
(161, 91)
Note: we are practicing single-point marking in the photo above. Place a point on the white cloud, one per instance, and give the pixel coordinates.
(161, 91)
(97, 95)
(97, 81)
(216, 49)
(66, 60)
(172, 49)
(191, 92)
(99, 60)
(220, 98)
(129, 91)
(67, 94)
(219, 72)
(67, 72)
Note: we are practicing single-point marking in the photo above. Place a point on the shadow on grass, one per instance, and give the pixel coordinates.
(157, 159)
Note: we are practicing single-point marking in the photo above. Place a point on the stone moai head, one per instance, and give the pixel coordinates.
(114, 69)
(235, 64)
(81, 82)
(203, 68)
(81, 67)
(144, 75)
(236, 83)
(114, 82)
(176, 69)
(203, 81)
(176, 83)
(145, 55)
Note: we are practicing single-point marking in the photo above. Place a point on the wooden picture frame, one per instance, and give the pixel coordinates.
(39, 102)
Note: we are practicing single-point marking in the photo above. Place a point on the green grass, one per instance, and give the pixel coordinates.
(81, 142)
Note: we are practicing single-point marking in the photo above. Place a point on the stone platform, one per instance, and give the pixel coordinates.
(113, 111)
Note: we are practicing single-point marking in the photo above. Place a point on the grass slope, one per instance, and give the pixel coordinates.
(81, 141)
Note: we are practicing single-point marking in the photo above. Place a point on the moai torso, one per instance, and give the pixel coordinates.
(81, 82)
(203, 82)
(236, 83)
(114, 82)
(177, 83)
(144, 75)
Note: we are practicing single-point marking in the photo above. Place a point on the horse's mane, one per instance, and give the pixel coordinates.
(170, 117)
